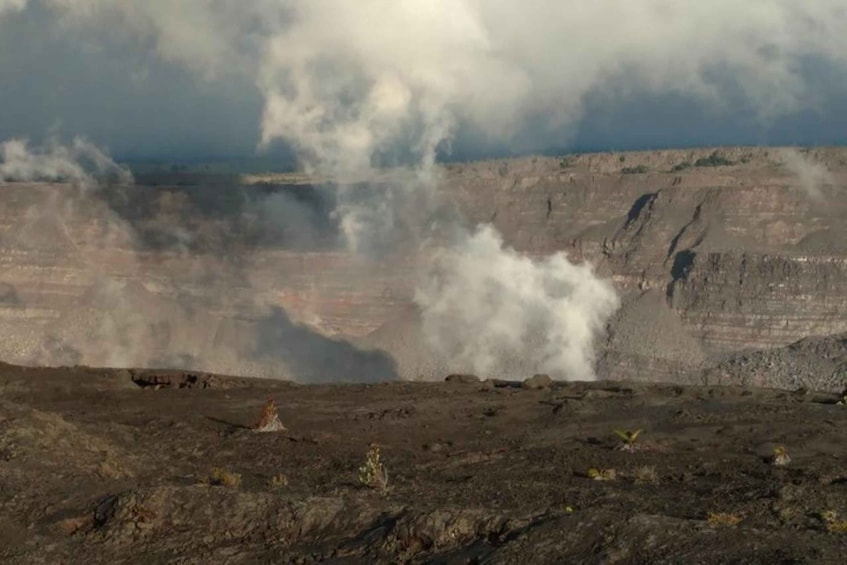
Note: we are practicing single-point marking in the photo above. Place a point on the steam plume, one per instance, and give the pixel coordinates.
(208, 317)
(812, 177)
(488, 309)
(9, 6)
(81, 163)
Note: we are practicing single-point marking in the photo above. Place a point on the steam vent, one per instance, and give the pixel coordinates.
(710, 263)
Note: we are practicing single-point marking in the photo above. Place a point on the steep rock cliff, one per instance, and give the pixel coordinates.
(713, 252)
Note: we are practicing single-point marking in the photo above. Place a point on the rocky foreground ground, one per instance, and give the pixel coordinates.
(107, 466)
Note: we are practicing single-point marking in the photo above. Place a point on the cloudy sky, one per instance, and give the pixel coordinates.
(342, 82)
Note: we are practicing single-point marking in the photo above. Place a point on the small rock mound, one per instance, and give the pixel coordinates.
(172, 379)
(538, 382)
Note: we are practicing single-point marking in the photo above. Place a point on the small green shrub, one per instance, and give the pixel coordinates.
(780, 456)
(373, 473)
(222, 477)
(567, 162)
(646, 475)
(639, 170)
(602, 474)
(628, 439)
(279, 480)
(713, 160)
(833, 524)
(723, 519)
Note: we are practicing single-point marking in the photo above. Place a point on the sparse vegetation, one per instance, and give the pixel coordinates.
(723, 519)
(602, 474)
(832, 523)
(659, 489)
(713, 160)
(628, 439)
(279, 480)
(841, 377)
(224, 478)
(780, 456)
(373, 473)
(269, 420)
(567, 162)
(646, 475)
(639, 170)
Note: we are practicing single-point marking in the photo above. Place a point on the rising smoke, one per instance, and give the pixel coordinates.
(9, 6)
(813, 177)
(356, 85)
(80, 163)
(486, 308)
(73, 206)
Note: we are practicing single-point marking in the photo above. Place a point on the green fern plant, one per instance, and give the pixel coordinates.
(628, 439)
(373, 473)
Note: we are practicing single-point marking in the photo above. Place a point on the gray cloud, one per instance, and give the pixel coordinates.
(116, 72)
(10, 6)
(112, 89)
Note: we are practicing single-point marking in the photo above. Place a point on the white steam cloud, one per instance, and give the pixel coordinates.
(53, 223)
(10, 6)
(490, 310)
(812, 176)
(344, 80)
(81, 163)
(352, 85)
(92, 237)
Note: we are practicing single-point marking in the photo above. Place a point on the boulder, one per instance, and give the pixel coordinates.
(537, 382)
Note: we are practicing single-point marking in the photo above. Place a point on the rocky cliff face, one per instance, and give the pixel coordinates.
(713, 252)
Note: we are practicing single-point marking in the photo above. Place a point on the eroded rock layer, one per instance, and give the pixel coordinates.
(713, 252)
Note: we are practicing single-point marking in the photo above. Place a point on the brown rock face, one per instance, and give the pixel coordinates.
(713, 252)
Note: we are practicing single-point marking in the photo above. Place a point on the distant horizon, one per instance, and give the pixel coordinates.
(254, 163)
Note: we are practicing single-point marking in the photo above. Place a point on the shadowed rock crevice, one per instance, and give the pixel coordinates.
(638, 206)
(682, 263)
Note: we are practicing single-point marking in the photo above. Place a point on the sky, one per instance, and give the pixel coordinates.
(207, 79)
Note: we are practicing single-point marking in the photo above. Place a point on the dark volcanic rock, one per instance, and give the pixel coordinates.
(90, 467)
(816, 363)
